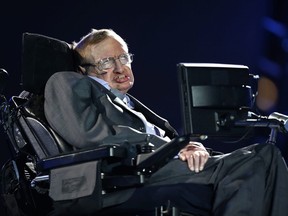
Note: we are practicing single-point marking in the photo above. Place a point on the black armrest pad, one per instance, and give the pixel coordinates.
(155, 160)
(81, 156)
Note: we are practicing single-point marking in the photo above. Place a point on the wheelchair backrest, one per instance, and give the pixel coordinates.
(27, 128)
(43, 56)
(25, 121)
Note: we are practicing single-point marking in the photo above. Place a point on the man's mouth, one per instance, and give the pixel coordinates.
(121, 78)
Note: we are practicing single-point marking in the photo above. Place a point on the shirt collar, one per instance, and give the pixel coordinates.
(116, 92)
(101, 81)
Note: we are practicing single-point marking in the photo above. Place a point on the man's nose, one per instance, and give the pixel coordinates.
(118, 66)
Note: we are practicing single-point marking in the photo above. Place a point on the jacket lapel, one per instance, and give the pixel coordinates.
(140, 107)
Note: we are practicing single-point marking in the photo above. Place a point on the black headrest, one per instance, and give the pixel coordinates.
(43, 56)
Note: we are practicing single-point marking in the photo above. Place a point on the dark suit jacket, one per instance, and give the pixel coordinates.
(86, 114)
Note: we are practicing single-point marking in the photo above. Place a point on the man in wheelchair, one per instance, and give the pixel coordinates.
(90, 109)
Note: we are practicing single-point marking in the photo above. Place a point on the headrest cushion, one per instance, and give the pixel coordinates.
(43, 56)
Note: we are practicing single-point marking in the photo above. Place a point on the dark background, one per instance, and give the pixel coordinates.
(162, 34)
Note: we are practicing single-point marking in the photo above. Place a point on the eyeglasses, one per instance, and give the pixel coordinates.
(110, 62)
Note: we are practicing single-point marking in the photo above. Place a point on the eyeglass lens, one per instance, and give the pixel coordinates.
(108, 63)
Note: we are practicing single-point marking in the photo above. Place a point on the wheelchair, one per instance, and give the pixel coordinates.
(41, 159)
(44, 164)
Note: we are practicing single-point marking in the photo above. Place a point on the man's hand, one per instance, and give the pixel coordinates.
(196, 156)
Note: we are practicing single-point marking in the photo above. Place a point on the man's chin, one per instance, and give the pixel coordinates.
(125, 89)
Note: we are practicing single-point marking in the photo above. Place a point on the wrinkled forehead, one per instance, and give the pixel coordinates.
(109, 47)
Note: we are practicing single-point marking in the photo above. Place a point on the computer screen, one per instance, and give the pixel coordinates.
(212, 97)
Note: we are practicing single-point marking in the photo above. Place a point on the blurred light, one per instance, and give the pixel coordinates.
(267, 94)
(275, 27)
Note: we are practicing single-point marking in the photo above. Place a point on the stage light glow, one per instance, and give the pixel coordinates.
(267, 94)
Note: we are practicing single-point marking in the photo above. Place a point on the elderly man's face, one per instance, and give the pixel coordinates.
(119, 76)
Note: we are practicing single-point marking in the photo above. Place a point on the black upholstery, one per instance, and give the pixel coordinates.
(42, 56)
(32, 122)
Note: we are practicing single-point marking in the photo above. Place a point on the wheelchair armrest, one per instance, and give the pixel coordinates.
(80, 156)
(145, 162)
(133, 175)
(150, 162)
